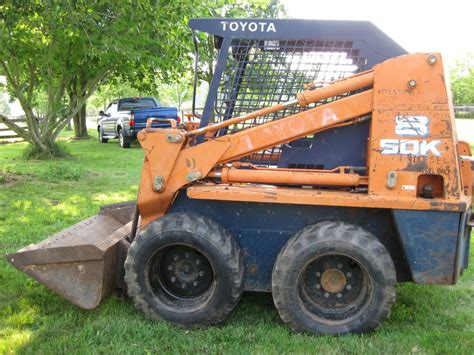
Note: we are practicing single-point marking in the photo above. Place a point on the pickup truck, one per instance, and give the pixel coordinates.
(125, 117)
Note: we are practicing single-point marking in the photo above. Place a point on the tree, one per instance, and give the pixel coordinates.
(68, 48)
(113, 89)
(177, 92)
(462, 80)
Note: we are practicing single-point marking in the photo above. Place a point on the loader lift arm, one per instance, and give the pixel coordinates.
(163, 176)
(173, 161)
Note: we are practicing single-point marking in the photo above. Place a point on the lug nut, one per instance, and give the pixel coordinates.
(339, 295)
(318, 274)
(198, 261)
(176, 258)
(184, 285)
(173, 279)
(195, 283)
(318, 286)
(187, 255)
(349, 287)
(349, 274)
(339, 266)
(326, 294)
(170, 267)
(201, 273)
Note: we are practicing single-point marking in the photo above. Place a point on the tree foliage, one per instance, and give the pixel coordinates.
(67, 48)
(55, 54)
(462, 80)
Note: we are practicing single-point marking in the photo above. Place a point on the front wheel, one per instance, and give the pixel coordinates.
(101, 135)
(124, 142)
(185, 269)
(333, 278)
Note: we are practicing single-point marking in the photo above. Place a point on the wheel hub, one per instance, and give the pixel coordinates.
(333, 287)
(333, 280)
(182, 271)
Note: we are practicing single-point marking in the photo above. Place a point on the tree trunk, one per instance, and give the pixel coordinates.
(80, 124)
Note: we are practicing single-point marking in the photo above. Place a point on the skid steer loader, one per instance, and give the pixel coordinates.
(326, 197)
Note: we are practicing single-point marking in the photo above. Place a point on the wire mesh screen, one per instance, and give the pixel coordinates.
(261, 73)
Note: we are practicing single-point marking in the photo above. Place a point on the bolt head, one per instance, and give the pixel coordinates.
(349, 287)
(198, 261)
(412, 83)
(339, 295)
(173, 279)
(326, 294)
(187, 255)
(432, 59)
(318, 274)
(318, 286)
(176, 258)
(170, 267)
(201, 273)
(349, 274)
(184, 285)
(339, 266)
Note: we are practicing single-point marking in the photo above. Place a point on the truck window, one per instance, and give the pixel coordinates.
(130, 104)
(112, 108)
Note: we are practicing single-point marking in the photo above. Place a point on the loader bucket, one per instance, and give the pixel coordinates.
(82, 263)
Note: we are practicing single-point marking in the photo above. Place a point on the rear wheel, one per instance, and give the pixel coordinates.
(101, 135)
(124, 142)
(333, 278)
(185, 269)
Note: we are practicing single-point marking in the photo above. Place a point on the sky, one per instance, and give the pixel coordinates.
(417, 25)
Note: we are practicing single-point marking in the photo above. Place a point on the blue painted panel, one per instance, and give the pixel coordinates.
(429, 239)
(343, 146)
(262, 229)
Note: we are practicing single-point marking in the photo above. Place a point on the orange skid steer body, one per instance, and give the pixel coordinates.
(330, 244)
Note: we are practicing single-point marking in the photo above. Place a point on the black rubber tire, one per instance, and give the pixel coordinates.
(124, 142)
(329, 239)
(100, 132)
(211, 240)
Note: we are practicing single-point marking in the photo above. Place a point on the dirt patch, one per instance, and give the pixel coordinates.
(9, 179)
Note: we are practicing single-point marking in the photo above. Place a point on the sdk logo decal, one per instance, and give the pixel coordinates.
(416, 126)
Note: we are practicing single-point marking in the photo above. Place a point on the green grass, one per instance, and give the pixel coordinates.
(38, 198)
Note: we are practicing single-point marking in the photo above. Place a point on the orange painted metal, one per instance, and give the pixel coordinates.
(393, 97)
(217, 126)
(297, 126)
(336, 88)
(402, 160)
(288, 176)
(305, 98)
(149, 122)
(176, 162)
(467, 168)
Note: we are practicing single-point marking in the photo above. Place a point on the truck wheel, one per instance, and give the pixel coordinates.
(185, 269)
(124, 142)
(333, 278)
(101, 135)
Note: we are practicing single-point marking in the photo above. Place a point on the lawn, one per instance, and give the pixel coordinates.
(38, 198)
